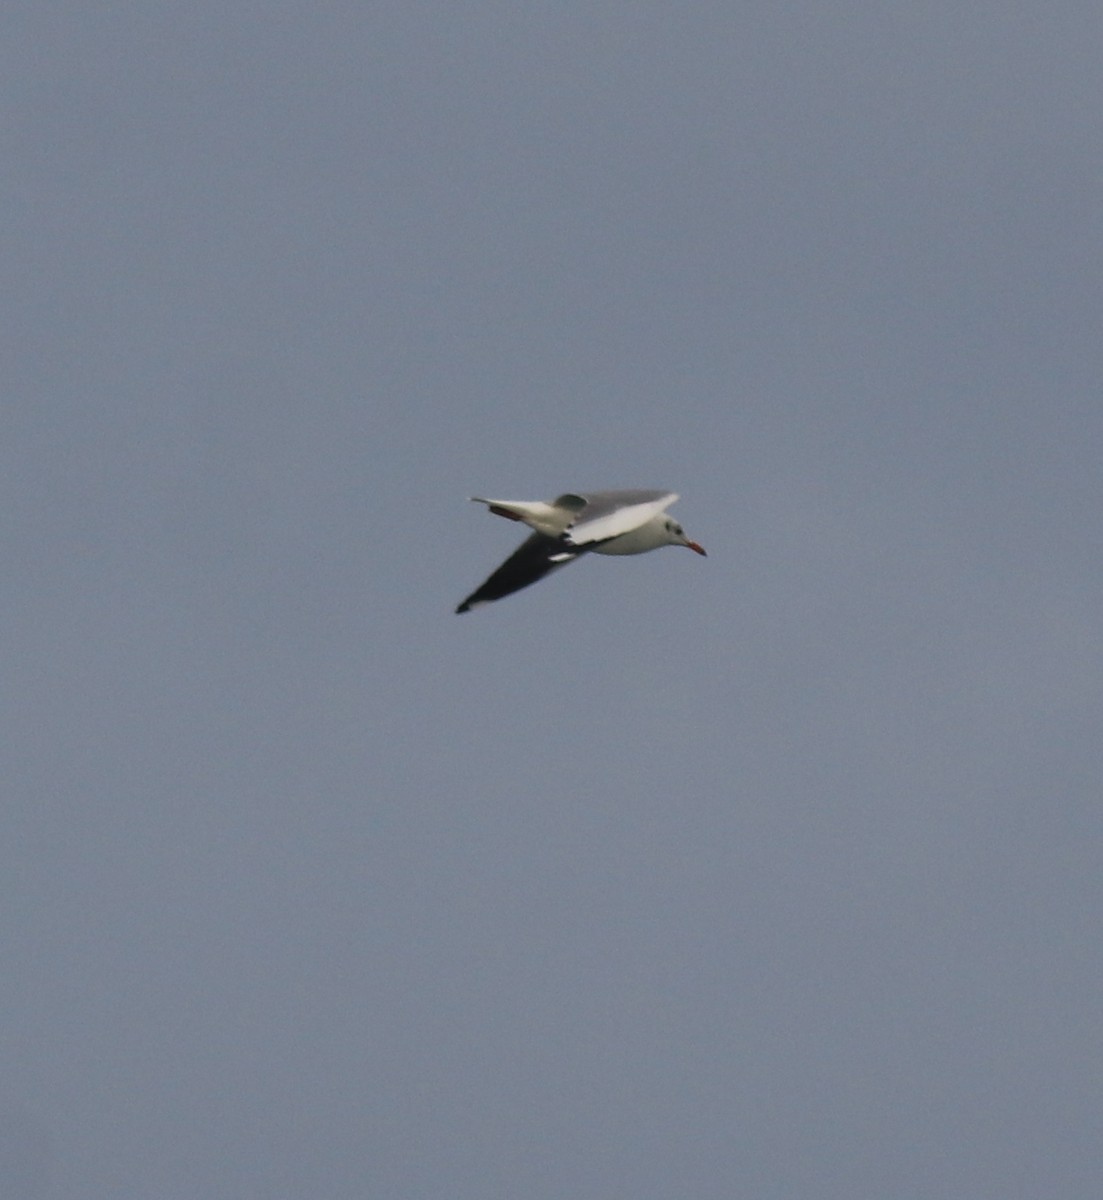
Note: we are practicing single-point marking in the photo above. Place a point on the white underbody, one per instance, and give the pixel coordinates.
(649, 536)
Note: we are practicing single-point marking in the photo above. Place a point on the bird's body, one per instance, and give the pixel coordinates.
(621, 522)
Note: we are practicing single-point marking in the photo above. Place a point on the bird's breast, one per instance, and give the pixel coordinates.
(635, 541)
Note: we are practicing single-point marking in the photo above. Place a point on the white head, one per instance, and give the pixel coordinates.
(675, 534)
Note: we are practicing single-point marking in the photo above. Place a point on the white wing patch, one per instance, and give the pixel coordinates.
(612, 524)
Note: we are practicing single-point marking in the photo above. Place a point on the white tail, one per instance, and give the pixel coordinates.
(537, 514)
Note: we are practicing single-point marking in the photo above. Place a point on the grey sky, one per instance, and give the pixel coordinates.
(770, 874)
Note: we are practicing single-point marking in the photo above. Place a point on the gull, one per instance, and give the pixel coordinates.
(624, 522)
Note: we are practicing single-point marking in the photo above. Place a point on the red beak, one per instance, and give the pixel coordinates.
(693, 546)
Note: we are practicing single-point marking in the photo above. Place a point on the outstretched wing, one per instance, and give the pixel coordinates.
(609, 514)
(532, 560)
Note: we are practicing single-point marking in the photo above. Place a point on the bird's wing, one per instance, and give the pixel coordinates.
(532, 560)
(609, 514)
(548, 519)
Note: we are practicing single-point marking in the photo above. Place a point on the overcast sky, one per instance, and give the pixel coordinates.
(773, 874)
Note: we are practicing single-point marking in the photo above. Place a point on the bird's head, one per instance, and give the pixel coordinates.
(676, 536)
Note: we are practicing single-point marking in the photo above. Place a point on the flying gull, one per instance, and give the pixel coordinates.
(630, 522)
